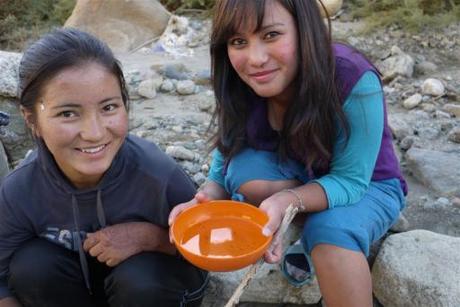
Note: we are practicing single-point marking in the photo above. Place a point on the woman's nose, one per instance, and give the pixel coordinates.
(93, 128)
(258, 54)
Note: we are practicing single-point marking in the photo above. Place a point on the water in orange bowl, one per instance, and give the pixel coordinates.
(223, 237)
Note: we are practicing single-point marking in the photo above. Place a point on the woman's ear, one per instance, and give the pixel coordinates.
(29, 118)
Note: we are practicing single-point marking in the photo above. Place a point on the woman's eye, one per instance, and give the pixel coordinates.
(271, 34)
(110, 107)
(67, 114)
(236, 42)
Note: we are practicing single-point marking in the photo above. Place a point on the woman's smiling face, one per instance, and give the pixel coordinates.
(267, 60)
(83, 121)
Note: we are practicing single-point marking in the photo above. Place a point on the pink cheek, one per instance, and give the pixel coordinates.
(237, 62)
(286, 55)
(115, 122)
(291, 53)
(121, 126)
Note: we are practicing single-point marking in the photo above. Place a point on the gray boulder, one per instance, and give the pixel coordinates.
(123, 25)
(399, 64)
(4, 165)
(9, 64)
(436, 169)
(15, 137)
(418, 268)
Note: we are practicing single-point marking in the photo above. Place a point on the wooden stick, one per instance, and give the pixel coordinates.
(235, 298)
(291, 211)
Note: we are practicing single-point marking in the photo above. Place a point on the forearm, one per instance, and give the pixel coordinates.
(312, 196)
(153, 238)
(214, 190)
(309, 197)
(9, 302)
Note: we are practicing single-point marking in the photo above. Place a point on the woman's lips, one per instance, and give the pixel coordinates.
(263, 76)
(95, 152)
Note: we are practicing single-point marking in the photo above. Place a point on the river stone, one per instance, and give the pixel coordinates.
(412, 101)
(397, 65)
(15, 137)
(332, 7)
(453, 109)
(399, 126)
(433, 87)
(425, 67)
(123, 25)
(436, 169)
(418, 268)
(9, 64)
(180, 152)
(147, 88)
(4, 164)
(167, 86)
(185, 87)
(454, 135)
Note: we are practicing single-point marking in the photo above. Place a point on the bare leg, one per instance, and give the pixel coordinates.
(255, 191)
(343, 276)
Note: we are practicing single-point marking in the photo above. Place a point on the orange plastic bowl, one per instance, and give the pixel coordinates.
(221, 235)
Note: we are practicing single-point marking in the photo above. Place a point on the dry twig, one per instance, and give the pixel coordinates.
(291, 211)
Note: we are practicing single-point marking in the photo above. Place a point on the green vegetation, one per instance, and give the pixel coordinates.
(24, 20)
(411, 15)
(183, 5)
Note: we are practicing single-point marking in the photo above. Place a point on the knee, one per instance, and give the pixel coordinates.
(153, 277)
(323, 229)
(31, 265)
(326, 255)
(256, 191)
(122, 291)
(126, 286)
(129, 280)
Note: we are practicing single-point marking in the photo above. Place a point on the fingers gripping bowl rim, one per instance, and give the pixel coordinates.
(221, 235)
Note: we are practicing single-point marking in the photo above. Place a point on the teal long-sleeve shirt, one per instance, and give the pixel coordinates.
(352, 165)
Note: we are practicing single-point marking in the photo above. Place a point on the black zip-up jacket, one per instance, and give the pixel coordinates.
(36, 200)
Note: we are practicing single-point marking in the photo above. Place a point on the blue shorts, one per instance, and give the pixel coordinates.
(251, 164)
(354, 227)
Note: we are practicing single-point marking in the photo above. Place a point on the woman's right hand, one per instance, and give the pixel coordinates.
(200, 197)
(210, 191)
(275, 207)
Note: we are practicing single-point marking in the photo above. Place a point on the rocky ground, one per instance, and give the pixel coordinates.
(172, 103)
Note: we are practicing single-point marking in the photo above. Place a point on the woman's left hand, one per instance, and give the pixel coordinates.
(114, 244)
(275, 207)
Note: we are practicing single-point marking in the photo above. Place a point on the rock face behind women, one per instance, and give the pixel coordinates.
(332, 7)
(123, 25)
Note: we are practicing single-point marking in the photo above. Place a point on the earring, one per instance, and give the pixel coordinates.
(42, 107)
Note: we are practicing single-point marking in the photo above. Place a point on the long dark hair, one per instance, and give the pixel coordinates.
(57, 50)
(310, 122)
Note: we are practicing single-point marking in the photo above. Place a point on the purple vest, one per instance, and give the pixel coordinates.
(350, 66)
